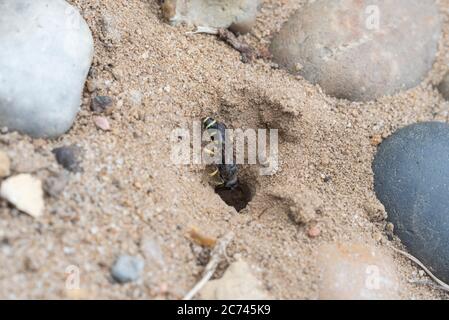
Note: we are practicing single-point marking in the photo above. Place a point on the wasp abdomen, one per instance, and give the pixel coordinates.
(228, 172)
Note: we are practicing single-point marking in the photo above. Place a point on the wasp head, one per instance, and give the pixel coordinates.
(209, 123)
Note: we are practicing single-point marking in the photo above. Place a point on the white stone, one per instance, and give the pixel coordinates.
(240, 15)
(25, 193)
(46, 49)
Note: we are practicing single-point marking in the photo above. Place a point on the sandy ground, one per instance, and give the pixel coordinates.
(130, 193)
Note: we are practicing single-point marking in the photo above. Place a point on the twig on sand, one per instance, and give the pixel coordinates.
(247, 52)
(216, 256)
(441, 285)
(429, 283)
(206, 30)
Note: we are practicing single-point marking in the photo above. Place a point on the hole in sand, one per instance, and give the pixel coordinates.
(237, 198)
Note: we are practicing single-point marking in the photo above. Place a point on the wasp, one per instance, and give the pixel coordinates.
(227, 172)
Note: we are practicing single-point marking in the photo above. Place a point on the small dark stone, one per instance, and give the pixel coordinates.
(68, 157)
(101, 103)
(411, 172)
(443, 87)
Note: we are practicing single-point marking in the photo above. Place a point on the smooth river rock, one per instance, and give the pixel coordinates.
(46, 49)
(356, 271)
(411, 179)
(360, 50)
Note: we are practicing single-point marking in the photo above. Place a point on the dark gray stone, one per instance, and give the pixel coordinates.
(69, 157)
(101, 103)
(411, 179)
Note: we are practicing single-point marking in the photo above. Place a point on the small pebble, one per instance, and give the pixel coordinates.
(25, 193)
(69, 157)
(389, 227)
(91, 85)
(101, 104)
(5, 165)
(102, 123)
(375, 211)
(444, 86)
(127, 269)
(314, 231)
(376, 140)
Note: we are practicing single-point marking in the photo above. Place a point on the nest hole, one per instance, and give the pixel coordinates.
(238, 198)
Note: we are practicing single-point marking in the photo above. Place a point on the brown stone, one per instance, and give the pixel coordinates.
(361, 49)
(354, 271)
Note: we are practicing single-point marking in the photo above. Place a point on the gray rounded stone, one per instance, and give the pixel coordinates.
(411, 179)
(46, 49)
(127, 269)
(360, 50)
(69, 157)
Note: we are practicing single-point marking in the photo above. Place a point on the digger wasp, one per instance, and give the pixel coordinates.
(226, 172)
